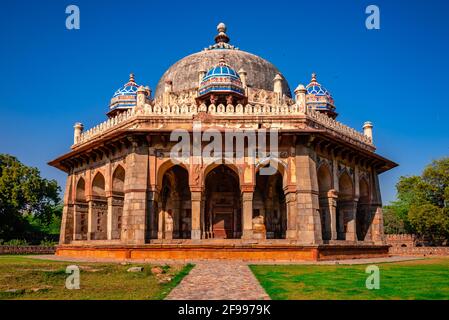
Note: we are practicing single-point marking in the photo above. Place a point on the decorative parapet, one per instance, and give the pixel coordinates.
(321, 120)
(339, 127)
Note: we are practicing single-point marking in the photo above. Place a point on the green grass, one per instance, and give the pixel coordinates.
(102, 281)
(420, 279)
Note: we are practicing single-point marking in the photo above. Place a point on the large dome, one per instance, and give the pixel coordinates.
(184, 73)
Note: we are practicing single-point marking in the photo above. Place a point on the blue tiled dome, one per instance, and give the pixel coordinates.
(221, 71)
(221, 78)
(314, 88)
(319, 98)
(126, 96)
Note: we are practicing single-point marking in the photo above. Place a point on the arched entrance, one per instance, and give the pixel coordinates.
(176, 212)
(345, 206)
(363, 213)
(81, 211)
(118, 182)
(269, 202)
(99, 209)
(324, 186)
(223, 204)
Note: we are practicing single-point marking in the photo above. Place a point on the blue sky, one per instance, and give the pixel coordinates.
(396, 77)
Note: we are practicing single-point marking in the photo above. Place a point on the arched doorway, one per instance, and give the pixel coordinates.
(99, 209)
(345, 205)
(269, 202)
(363, 213)
(223, 204)
(324, 186)
(175, 211)
(118, 182)
(81, 211)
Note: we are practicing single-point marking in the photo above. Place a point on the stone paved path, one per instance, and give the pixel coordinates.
(222, 280)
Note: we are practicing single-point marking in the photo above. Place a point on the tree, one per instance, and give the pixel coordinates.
(24, 192)
(436, 176)
(422, 203)
(430, 222)
(393, 224)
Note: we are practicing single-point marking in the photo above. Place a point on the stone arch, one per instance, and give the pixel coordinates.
(345, 186)
(324, 176)
(281, 167)
(345, 206)
(118, 180)
(164, 167)
(80, 193)
(175, 211)
(99, 185)
(118, 197)
(99, 209)
(222, 210)
(81, 211)
(223, 162)
(269, 201)
(363, 216)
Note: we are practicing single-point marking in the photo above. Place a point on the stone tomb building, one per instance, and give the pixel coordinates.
(127, 197)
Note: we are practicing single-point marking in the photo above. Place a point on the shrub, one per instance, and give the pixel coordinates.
(16, 242)
(48, 243)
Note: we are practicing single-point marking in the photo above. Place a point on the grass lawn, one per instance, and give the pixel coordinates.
(41, 279)
(420, 279)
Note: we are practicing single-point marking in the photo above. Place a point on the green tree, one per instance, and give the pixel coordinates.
(23, 192)
(430, 222)
(422, 203)
(393, 224)
(436, 176)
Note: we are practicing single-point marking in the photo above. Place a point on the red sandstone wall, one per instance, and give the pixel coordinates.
(27, 250)
(420, 251)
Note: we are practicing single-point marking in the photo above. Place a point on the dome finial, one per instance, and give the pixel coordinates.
(222, 36)
(131, 78)
(313, 77)
(222, 61)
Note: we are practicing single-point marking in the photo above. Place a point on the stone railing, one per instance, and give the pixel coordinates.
(339, 127)
(104, 126)
(229, 110)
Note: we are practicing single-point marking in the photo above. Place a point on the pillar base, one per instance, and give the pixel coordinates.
(196, 234)
(291, 234)
(247, 234)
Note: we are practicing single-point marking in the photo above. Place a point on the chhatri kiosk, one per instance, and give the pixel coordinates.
(127, 197)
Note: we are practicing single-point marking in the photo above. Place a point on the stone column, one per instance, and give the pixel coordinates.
(91, 221)
(332, 200)
(152, 216)
(308, 218)
(135, 201)
(67, 220)
(377, 226)
(176, 216)
(161, 224)
(203, 216)
(247, 214)
(290, 200)
(110, 217)
(351, 229)
(196, 197)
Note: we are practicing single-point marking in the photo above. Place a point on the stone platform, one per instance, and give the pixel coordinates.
(237, 250)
